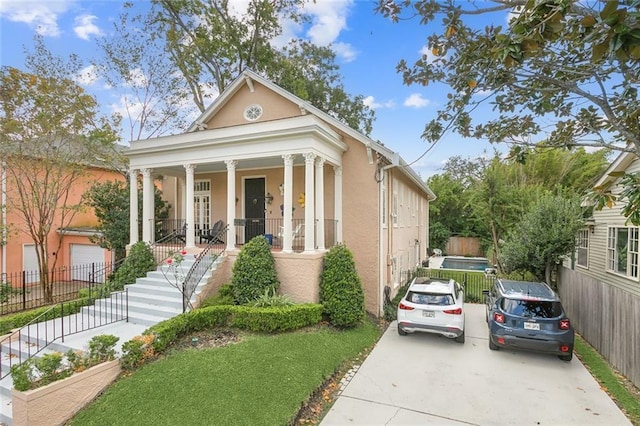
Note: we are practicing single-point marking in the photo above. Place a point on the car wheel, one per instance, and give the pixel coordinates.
(460, 339)
(567, 358)
(492, 345)
(401, 331)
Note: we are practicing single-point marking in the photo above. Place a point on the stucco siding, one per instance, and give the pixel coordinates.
(273, 106)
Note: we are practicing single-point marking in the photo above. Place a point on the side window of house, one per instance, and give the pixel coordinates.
(394, 214)
(384, 200)
(622, 251)
(582, 248)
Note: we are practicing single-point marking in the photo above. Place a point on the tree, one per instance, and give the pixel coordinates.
(50, 133)
(544, 236)
(110, 202)
(560, 73)
(135, 64)
(212, 42)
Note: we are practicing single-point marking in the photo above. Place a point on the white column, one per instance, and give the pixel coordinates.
(320, 203)
(287, 209)
(133, 206)
(231, 203)
(337, 214)
(148, 225)
(190, 236)
(309, 205)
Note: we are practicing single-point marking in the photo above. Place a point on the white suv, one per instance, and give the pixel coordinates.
(433, 306)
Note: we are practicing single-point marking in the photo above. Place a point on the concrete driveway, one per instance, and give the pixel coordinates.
(423, 379)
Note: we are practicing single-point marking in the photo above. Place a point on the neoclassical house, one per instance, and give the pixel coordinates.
(265, 162)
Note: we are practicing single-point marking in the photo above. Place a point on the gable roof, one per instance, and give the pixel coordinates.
(620, 164)
(247, 77)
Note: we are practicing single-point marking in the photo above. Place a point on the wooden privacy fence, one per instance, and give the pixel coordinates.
(607, 318)
(463, 246)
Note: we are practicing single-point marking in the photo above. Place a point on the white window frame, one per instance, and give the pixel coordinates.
(394, 213)
(384, 201)
(631, 264)
(582, 243)
(202, 188)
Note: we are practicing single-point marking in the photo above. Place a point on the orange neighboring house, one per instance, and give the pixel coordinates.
(68, 246)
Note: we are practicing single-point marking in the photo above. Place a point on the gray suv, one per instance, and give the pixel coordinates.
(529, 316)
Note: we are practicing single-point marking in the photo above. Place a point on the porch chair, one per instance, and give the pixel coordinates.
(294, 234)
(211, 236)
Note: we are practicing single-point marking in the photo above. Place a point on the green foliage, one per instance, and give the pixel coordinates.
(270, 298)
(341, 291)
(254, 271)
(225, 296)
(6, 291)
(137, 264)
(110, 203)
(13, 321)
(244, 41)
(137, 351)
(102, 348)
(438, 235)
(559, 75)
(269, 320)
(546, 233)
(23, 375)
(37, 372)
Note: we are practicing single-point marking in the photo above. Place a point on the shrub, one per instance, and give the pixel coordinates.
(224, 297)
(340, 288)
(12, 321)
(268, 320)
(136, 351)
(254, 271)
(36, 372)
(6, 291)
(270, 298)
(137, 264)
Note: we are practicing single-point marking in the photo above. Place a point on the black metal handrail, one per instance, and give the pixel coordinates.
(61, 320)
(200, 266)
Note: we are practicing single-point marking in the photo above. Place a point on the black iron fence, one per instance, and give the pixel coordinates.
(23, 290)
(62, 319)
(273, 230)
(474, 282)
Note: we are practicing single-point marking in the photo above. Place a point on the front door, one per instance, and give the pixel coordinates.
(254, 207)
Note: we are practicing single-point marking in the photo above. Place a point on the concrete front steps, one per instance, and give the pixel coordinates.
(151, 299)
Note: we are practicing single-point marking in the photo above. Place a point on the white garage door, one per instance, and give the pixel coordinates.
(30, 263)
(82, 258)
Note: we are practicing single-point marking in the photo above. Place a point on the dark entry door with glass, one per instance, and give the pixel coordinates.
(254, 207)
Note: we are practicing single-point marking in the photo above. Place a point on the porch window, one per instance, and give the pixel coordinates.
(622, 251)
(202, 203)
(583, 248)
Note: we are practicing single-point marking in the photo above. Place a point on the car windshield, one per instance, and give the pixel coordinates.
(438, 299)
(532, 308)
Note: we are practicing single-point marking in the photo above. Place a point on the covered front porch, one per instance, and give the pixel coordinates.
(284, 183)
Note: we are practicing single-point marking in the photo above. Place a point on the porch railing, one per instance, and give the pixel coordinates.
(63, 319)
(200, 266)
(273, 230)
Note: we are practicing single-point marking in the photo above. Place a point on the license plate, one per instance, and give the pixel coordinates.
(531, 326)
(428, 314)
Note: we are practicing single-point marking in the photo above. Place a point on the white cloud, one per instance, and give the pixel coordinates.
(87, 75)
(328, 19)
(41, 16)
(127, 109)
(370, 102)
(136, 78)
(345, 51)
(416, 100)
(85, 27)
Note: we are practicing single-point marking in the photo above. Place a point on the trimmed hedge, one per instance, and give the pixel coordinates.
(267, 320)
(254, 271)
(13, 321)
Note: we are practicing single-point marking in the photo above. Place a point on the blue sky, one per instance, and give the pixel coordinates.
(368, 47)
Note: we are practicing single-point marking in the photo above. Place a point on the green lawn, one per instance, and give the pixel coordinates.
(262, 380)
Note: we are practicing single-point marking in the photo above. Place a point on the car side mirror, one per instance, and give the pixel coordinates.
(485, 292)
